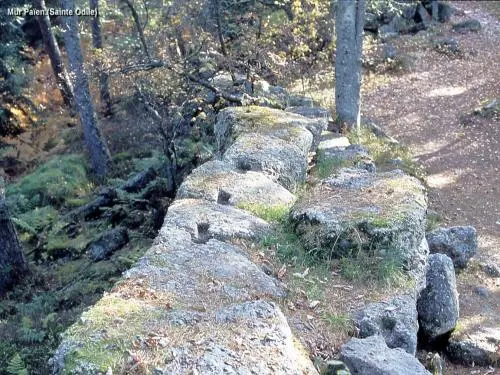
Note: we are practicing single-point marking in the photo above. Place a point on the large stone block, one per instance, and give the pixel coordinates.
(220, 182)
(371, 356)
(437, 306)
(278, 159)
(357, 210)
(205, 220)
(290, 127)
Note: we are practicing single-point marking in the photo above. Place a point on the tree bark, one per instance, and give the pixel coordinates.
(56, 60)
(349, 28)
(140, 29)
(94, 141)
(13, 265)
(222, 43)
(97, 43)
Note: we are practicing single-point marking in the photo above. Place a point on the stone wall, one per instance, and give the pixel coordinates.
(196, 303)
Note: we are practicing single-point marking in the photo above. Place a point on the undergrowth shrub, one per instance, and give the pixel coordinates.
(51, 184)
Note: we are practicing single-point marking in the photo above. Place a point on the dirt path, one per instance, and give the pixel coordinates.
(429, 109)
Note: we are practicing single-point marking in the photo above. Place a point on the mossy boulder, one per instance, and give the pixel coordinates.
(121, 332)
(375, 213)
(218, 181)
(293, 128)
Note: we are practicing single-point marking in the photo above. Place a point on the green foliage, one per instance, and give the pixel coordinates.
(288, 247)
(384, 267)
(51, 184)
(325, 166)
(339, 321)
(16, 366)
(36, 220)
(60, 243)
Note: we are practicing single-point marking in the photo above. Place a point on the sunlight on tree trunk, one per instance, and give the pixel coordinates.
(349, 28)
(96, 145)
(13, 266)
(54, 53)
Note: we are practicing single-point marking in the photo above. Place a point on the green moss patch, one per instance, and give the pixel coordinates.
(52, 184)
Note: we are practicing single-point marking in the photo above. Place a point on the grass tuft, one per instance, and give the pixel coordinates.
(386, 155)
(271, 214)
(326, 166)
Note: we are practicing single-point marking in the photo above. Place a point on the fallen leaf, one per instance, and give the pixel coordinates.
(282, 272)
(314, 304)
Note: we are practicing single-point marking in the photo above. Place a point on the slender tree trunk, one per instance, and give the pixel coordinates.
(97, 43)
(349, 28)
(140, 29)
(221, 38)
(56, 60)
(96, 145)
(13, 266)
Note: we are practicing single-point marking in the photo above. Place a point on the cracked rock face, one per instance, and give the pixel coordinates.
(438, 308)
(220, 182)
(396, 321)
(371, 356)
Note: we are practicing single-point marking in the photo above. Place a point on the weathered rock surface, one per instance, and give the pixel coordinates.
(355, 208)
(332, 142)
(197, 272)
(351, 155)
(459, 243)
(107, 244)
(321, 116)
(290, 127)
(205, 220)
(371, 356)
(234, 121)
(300, 101)
(280, 160)
(255, 338)
(396, 321)
(480, 347)
(221, 182)
(437, 307)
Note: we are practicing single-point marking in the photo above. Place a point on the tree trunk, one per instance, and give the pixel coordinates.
(95, 143)
(349, 28)
(56, 60)
(97, 43)
(223, 48)
(140, 29)
(13, 266)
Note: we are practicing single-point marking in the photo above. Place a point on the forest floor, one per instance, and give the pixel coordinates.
(430, 108)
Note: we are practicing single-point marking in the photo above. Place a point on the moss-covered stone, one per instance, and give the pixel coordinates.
(221, 182)
(287, 126)
(353, 211)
